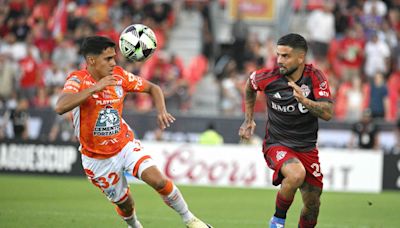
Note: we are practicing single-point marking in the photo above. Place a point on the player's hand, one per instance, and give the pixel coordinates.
(247, 130)
(104, 82)
(297, 92)
(164, 120)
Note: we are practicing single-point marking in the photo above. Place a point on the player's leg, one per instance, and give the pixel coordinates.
(311, 189)
(171, 196)
(126, 209)
(290, 174)
(107, 174)
(311, 200)
(143, 167)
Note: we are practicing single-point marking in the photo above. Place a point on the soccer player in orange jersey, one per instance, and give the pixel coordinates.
(108, 146)
(298, 95)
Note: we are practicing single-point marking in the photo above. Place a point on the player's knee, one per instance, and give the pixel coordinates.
(313, 204)
(296, 179)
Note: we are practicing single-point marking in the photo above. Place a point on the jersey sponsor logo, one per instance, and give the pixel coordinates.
(277, 95)
(323, 93)
(119, 91)
(88, 83)
(283, 108)
(305, 89)
(73, 81)
(288, 108)
(280, 155)
(108, 122)
(107, 102)
(323, 85)
(68, 87)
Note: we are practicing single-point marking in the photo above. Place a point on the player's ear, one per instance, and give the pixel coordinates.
(90, 60)
(301, 57)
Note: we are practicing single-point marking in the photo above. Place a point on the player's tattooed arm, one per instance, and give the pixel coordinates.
(321, 109)
(246, 130)
(250, 100)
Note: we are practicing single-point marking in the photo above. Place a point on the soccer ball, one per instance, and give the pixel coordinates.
(137, 42)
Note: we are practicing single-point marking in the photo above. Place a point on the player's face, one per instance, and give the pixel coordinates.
(105, 62)
(288, 59)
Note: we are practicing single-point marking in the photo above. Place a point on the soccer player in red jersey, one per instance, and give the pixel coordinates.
(297, 95)
(108, 146)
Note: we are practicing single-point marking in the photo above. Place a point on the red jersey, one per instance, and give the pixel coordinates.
(98, 121)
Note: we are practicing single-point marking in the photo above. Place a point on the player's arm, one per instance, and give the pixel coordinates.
(164, 118)
(247, 128)
(321, 109)
(68, 101)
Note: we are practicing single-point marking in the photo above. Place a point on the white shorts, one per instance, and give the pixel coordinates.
(108, 174)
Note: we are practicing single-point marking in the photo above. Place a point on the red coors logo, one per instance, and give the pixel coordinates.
(183, 164)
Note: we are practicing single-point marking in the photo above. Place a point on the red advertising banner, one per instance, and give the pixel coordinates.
(259, 10)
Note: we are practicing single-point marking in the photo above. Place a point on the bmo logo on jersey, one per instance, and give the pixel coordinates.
(288, 108)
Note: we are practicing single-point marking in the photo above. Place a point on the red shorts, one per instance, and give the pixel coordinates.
(275, 156)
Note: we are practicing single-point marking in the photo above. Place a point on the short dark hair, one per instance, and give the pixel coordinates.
(95, 45)
(294, 41)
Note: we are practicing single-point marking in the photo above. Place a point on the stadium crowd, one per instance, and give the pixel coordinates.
(356, 43)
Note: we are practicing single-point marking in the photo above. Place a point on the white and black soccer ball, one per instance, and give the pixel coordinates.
(137, 42)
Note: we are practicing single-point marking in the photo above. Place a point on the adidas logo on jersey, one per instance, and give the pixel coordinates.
(277, 95)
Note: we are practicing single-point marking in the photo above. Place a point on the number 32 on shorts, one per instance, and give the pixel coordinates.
(103, 182)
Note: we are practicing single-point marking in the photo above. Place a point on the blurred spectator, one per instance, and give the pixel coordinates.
(62, 129)
(321, 30)
(393, 85)
(41, 99)
(8, 75)
(355, 98)
(18, 117)
(210, 136)
(231, 99)
(351, 54)
(240, 33)
(388, 35)
(377, 56)
(175, 90)
(21, 28)
(375, 5)
(378, 97)
(65, 55)
(365, 133)
(371, 23)
(30, 77)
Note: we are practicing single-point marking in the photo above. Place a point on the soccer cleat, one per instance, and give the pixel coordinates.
(137, 225)
(197, 223)
(276, 222)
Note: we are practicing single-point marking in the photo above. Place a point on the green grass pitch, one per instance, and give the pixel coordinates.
(37, 201)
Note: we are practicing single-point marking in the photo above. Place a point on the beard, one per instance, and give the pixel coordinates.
(287, 72)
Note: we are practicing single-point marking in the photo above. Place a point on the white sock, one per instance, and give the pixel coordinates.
(131, 220)
(176, 201)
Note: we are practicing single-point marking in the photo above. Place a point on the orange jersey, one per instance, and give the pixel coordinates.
(98, 121)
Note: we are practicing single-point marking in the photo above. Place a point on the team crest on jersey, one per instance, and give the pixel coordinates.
(323, 85)
(108, 122)
(280, 154)
(119, 91)
(305, 89)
